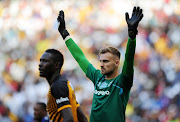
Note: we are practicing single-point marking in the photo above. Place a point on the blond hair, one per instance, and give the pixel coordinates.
(111, 50)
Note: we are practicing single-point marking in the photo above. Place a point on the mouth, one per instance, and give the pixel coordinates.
(102, 69)
(40, 70)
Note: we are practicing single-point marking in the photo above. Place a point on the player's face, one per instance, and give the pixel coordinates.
(38, 112)
(108, 63)
(46, 66)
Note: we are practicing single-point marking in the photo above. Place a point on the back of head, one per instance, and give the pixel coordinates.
(57, 56)
(111, 50)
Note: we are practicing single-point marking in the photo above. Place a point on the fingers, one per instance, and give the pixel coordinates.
(127, 16)
(139, 14)
(140, 17)
(134, 11)
(61, 16)
(137, 10)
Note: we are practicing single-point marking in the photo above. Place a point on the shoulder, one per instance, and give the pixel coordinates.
(60, 83)
(91, 68)
(60, 87)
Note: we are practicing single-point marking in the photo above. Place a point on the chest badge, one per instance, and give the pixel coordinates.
(103, 85)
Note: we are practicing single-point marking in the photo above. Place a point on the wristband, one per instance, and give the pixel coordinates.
(67, 38)
(132, 33)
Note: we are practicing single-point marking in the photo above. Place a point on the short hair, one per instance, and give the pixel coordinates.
(43, 105)
(111, 50)
(58, 56)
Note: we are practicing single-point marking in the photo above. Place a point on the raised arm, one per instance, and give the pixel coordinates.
(132, 23)
(72, 46)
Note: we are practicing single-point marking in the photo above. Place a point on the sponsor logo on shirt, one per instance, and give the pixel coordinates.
(104, 84)
(101, 92)
(62, 100)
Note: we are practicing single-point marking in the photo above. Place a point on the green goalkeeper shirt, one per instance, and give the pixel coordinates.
(110, 96)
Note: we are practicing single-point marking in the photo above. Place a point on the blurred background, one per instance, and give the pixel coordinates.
(29, 27)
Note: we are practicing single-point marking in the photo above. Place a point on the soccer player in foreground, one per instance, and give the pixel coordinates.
(111, 88)
(61, 103)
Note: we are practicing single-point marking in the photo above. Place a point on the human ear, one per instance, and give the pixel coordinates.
(117, 63)
(56, 65)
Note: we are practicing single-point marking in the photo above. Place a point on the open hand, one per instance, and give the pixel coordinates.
(133, 22)
(61, 21)
(62, 26)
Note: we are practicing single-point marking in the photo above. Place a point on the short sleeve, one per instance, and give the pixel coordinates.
(60, 92)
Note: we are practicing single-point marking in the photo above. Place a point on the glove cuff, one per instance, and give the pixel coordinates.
(132, 33)
(64, 33)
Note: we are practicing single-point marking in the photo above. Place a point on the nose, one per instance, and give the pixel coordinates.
(101, 64)
(40, 64)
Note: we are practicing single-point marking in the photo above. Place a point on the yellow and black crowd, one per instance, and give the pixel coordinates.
(29, 27)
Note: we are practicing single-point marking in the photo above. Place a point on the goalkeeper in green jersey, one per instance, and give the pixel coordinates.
(111, 88)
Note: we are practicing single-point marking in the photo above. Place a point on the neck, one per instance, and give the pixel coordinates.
(52, 77)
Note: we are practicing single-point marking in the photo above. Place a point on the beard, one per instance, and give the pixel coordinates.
(107, 73)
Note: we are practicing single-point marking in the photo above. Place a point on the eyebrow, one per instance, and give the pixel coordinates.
(104, 60)
(44, 59)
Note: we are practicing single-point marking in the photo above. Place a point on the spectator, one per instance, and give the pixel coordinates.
(27, 29)
(40, 113)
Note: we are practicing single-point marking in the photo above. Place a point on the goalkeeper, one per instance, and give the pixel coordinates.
(111, 88)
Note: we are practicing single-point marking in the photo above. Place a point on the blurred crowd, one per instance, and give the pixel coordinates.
(29, 27)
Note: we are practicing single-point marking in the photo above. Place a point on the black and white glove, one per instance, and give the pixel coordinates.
(62, 26)
(133, 22)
